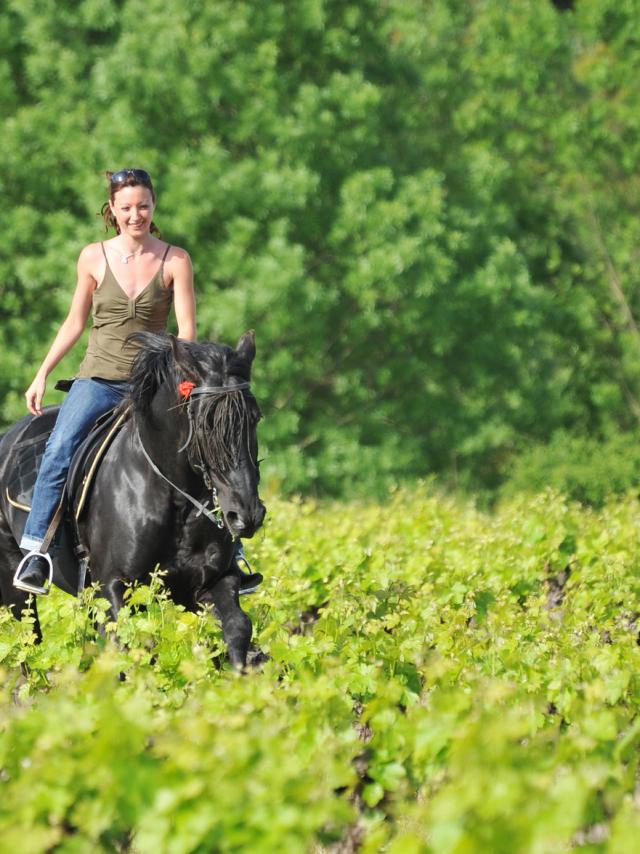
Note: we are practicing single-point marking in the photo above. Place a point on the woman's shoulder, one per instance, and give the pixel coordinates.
(175, 252)
(91, 261)
(177, 262)
(91, 251)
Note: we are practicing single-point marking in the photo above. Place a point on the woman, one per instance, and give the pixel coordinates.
(128, 283)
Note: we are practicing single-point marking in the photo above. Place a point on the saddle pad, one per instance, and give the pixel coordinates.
(28, 452)
(30, 448)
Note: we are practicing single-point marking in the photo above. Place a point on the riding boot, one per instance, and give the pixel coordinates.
(249, 581)
(33, 576)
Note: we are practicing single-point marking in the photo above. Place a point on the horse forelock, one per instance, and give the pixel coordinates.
(220, 421)
(220, 425)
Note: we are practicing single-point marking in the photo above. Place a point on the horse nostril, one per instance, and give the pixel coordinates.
(234, 520)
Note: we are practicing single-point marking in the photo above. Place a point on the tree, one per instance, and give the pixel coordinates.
(406, 200)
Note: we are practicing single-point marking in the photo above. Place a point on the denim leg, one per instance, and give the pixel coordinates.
(85, 402)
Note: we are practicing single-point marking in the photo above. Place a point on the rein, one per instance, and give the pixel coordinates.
(210, 513)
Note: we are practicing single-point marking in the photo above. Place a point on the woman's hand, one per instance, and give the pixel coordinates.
(34, 395)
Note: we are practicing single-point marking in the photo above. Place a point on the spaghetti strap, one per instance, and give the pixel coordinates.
(103, 251)
(161, 270)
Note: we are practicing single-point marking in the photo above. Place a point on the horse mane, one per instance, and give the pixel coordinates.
(219, 419)
(163, 358)
(153, 365)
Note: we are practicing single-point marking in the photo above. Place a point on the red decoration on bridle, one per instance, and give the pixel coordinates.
(185, 388)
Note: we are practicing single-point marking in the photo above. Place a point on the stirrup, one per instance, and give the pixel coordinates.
(244, 591)
(32, 588)
(240, 556)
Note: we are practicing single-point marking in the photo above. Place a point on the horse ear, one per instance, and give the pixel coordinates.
(183, 359)
(246, 346)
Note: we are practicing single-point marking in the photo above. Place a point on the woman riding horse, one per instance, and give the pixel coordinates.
(129, 284)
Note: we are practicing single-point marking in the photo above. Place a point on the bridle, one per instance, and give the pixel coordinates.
(209, 390)
(213, 513)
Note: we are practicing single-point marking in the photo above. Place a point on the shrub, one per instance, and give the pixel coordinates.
(586, 469)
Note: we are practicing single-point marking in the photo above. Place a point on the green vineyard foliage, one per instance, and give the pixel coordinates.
(439, 680)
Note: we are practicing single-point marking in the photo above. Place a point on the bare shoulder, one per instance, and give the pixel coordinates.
(90, 253)
(179, 268)
(179, 255)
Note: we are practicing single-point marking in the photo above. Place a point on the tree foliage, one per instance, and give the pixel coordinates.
(426, 210)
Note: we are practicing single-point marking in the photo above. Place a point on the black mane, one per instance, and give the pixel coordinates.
(163, 358)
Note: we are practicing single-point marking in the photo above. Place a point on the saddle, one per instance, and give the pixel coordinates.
(84, 465)
(86, 460)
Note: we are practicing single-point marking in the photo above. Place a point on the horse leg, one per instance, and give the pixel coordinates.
(109, 588)
(14, 599)
(113, 592)
(236, 625)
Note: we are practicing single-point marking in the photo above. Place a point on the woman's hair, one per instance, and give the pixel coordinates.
(126, 178)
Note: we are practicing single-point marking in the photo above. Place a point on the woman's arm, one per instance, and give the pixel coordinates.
(70, 330)
(184, 300)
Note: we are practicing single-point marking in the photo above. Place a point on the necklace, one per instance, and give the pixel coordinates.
(125, 258)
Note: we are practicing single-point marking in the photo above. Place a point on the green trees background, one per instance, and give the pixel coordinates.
(427, 209)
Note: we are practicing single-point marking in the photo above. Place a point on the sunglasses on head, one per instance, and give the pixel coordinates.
(137, 174)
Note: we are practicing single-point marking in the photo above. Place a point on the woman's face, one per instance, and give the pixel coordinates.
(133, 209)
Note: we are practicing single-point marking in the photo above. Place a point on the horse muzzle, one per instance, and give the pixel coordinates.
(246, 521)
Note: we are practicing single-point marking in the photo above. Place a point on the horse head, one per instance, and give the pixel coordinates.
(208, 386)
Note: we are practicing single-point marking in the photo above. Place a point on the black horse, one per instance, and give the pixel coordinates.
(190, 440)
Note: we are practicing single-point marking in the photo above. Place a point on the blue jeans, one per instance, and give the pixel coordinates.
(86, 401)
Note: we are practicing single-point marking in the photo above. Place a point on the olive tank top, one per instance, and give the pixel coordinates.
(109, 355)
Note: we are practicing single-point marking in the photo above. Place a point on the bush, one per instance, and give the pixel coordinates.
(586, 469)
(439, 680)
